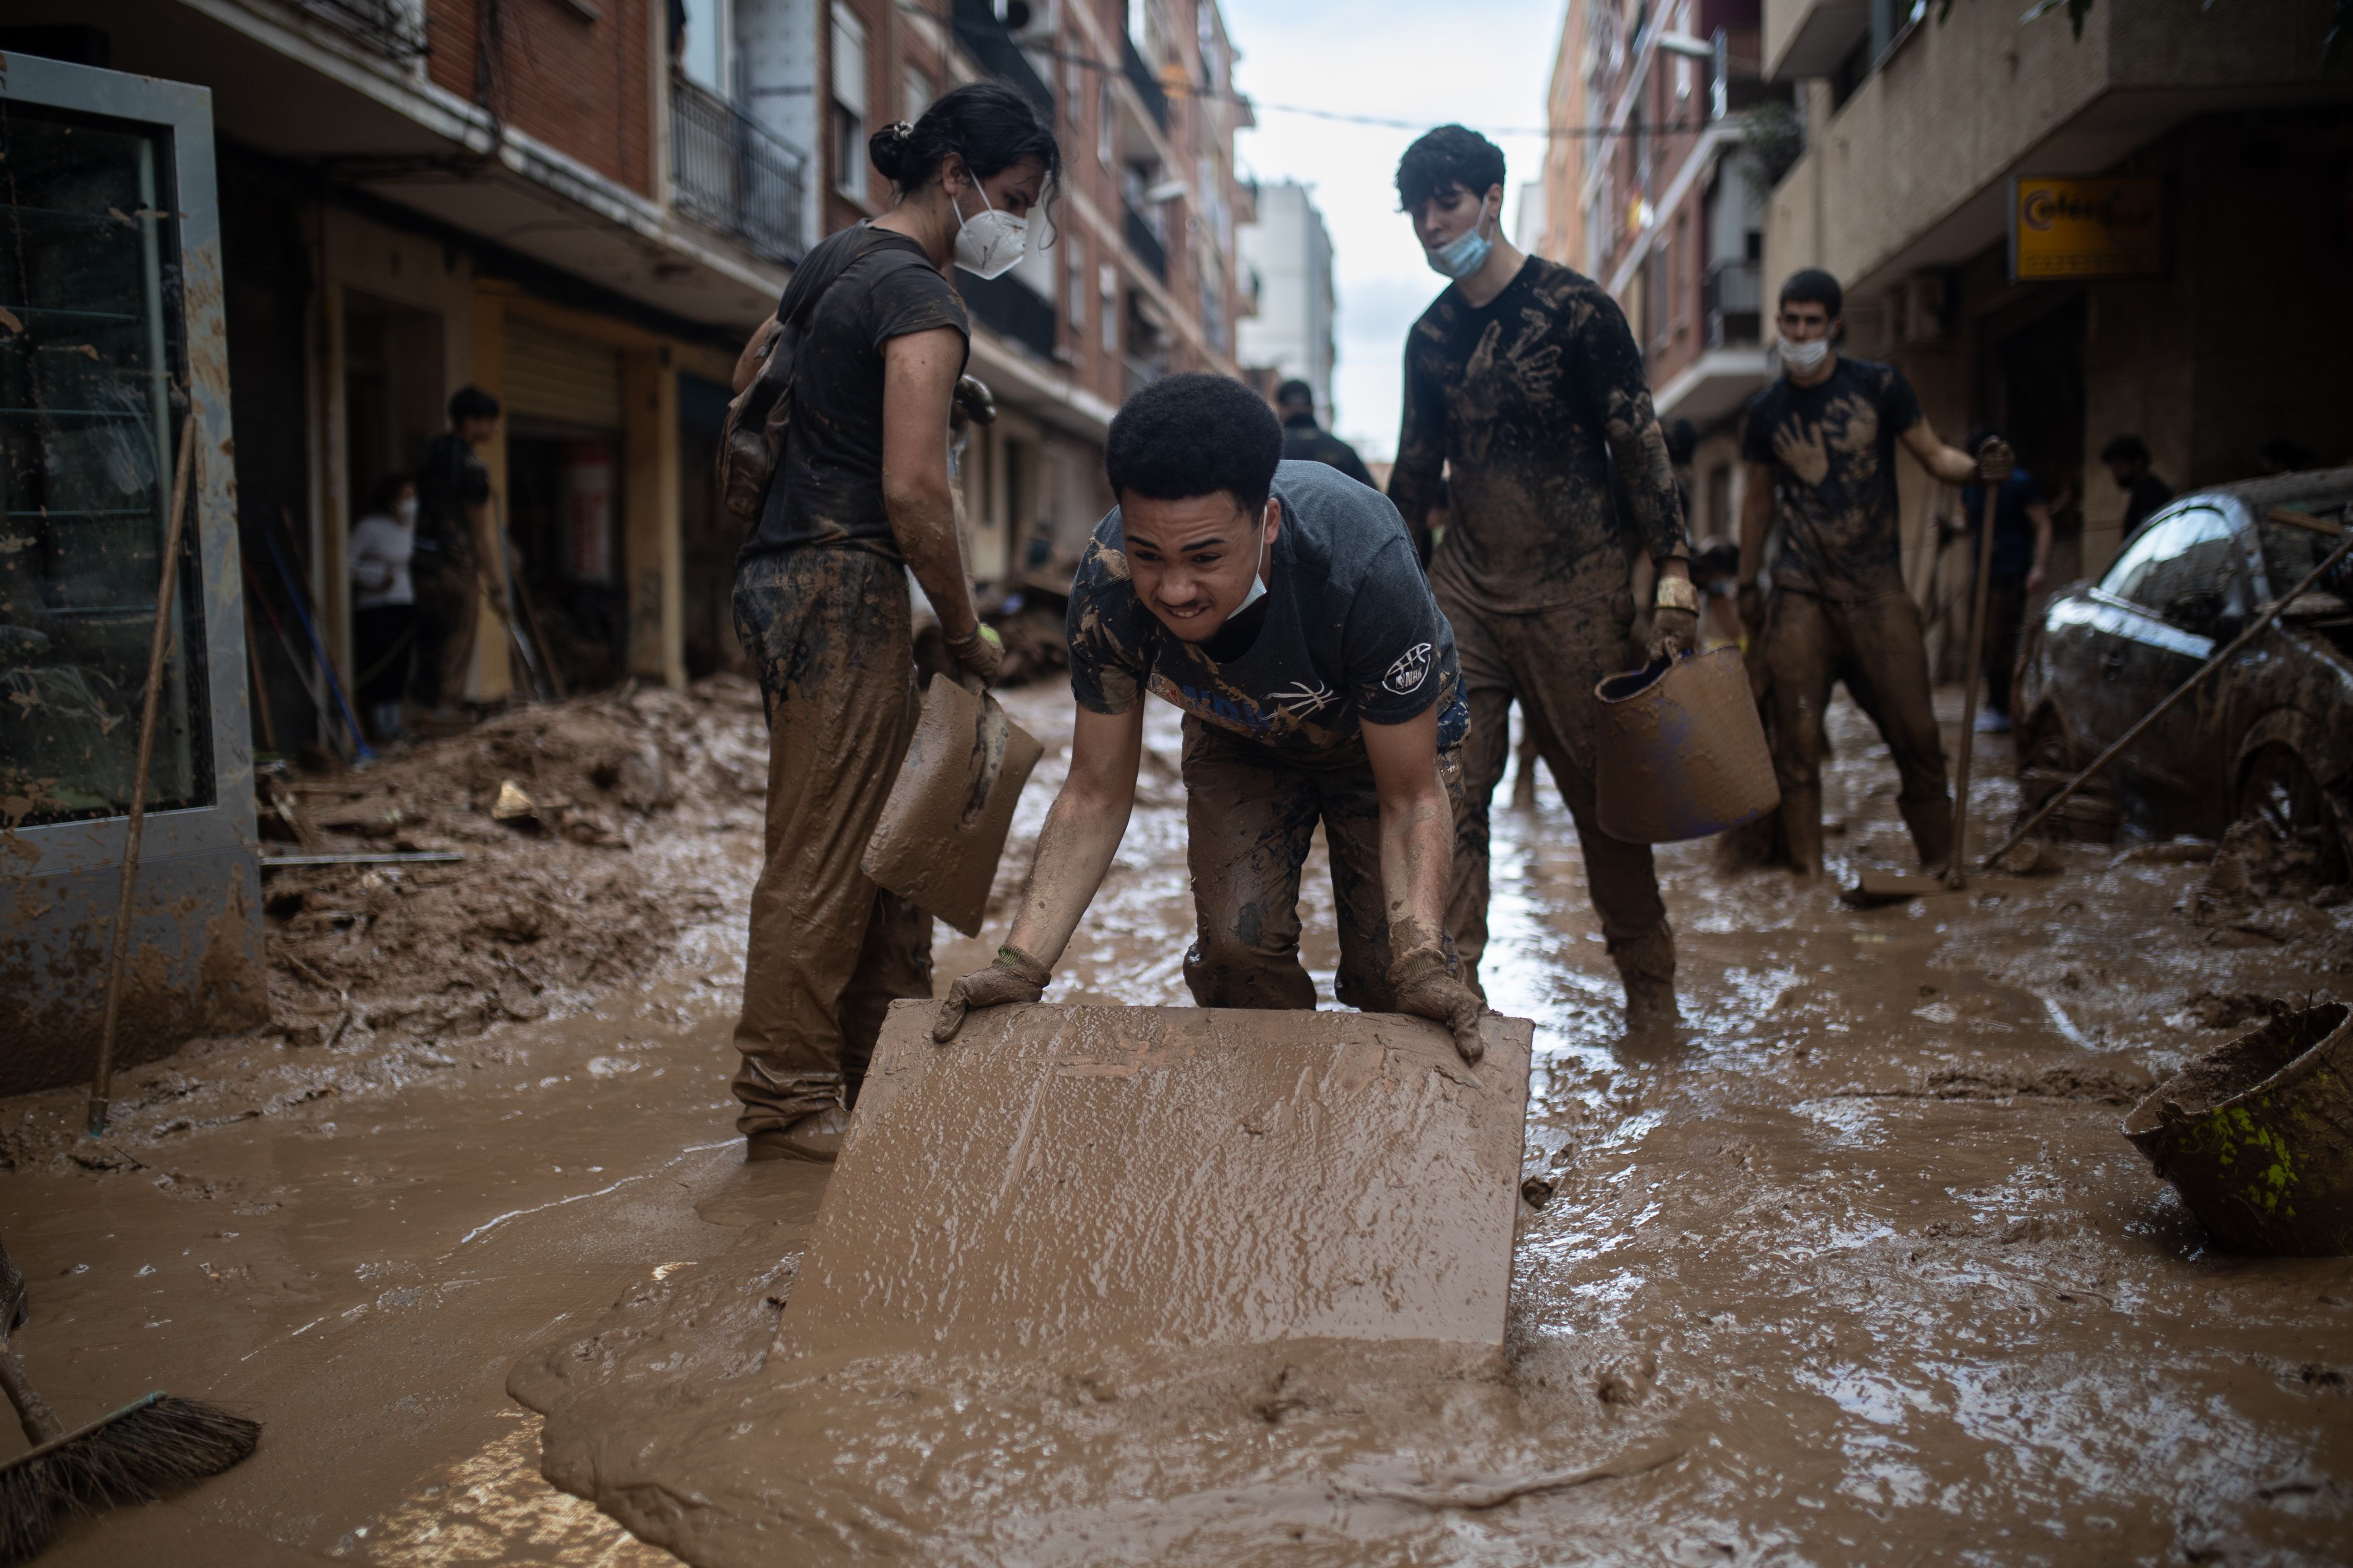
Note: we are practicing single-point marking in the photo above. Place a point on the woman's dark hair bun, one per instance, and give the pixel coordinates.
(888, 148)
(986, 124)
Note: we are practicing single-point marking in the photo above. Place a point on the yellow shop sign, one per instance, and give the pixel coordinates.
(2086, 228)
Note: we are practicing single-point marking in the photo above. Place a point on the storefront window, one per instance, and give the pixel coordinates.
(90, 395)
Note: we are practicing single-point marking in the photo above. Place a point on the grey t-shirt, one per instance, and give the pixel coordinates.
(1349, 631)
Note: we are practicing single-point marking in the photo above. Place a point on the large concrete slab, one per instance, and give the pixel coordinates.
(1068, 1175)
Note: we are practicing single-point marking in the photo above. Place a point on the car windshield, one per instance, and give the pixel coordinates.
(2291, 551)
(2186, 553)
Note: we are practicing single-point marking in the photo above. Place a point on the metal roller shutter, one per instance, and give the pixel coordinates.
(554, 375)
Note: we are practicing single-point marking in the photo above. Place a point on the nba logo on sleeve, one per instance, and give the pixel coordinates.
(1412, 667)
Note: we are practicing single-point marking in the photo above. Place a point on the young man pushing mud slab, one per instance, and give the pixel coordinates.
(1259, 1170)
(1279, 604)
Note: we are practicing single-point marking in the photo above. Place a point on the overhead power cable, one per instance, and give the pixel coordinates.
(1187, 89)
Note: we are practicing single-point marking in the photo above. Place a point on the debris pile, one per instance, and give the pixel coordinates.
(550, 806)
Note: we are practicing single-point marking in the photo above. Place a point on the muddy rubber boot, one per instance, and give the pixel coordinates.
(1646, 966)
(1801, 821)
(1931, 822)
(815, 1137)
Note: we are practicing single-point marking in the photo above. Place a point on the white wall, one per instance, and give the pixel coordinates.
(1291, 251)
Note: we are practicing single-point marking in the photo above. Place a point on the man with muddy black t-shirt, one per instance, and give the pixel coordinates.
(1279, 606)
(1819, 448)
(455, 560)
(1521, 385)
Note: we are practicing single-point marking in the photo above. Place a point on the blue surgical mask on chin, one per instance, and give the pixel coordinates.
(1464, 254)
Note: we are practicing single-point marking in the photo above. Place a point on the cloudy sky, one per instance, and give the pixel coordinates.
(1482, 62)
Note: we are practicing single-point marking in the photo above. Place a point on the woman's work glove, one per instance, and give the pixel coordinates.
(1013, 977)
(1425, 989)
(981, 651)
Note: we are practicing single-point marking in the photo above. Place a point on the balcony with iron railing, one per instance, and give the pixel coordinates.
(1147, 86)
(1145, 243)
(1732, 300)
(735, 174)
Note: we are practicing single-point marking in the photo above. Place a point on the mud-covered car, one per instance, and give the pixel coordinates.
(2272, 733)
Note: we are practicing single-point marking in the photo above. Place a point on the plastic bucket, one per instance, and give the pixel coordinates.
(2257, 1135)
(944, 827)
(1680, 751)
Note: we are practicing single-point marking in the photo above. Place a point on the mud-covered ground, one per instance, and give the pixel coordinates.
(1857, 1270)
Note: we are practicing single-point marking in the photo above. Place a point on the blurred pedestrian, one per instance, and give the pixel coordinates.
(1821, 456)
(2126, 458)
(1305, 441)
(1521, 385)
(456, 562)
(862, 497)
(2021, 561)
(384, 603)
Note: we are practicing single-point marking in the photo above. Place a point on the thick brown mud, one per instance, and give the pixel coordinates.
(1858, 1267)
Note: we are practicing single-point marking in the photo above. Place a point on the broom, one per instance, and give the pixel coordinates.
(149, 1447)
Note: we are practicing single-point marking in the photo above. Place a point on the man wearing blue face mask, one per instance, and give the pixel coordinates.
(1523, 387)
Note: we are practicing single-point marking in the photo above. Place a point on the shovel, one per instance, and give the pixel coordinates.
(942, 828)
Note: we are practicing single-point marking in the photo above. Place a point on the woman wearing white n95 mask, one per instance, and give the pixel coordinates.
(862, 495)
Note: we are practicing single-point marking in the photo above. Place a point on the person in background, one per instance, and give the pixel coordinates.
(862, 497)
(456, 562)
(2126, 458)
(1523, 387)
(384, 603)
(1716, 572)
(2021, 561)
(1304, 441)
(1819, 453)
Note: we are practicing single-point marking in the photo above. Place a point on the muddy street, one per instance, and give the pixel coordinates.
(1857, 1267)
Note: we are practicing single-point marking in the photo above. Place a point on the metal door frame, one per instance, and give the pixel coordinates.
(199, 903)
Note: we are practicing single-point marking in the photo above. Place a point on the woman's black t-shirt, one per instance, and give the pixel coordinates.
(828, 489)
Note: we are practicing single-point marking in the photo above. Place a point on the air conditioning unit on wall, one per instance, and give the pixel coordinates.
(1032, 23)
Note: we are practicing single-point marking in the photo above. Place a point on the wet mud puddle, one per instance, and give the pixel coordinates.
(1856, 1268)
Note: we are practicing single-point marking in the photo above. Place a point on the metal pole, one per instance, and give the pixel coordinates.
(1954, 875)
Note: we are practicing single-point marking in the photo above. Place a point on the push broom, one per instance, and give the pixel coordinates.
(149, 1448)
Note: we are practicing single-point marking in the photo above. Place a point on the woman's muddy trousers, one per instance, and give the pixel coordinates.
(829, 635)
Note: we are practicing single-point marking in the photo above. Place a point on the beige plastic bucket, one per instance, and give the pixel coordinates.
(943, 827)
(1680, 751)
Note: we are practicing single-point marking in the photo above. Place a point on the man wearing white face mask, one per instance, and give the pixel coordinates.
(1819, 448)
(1524, 400)
(862, 496)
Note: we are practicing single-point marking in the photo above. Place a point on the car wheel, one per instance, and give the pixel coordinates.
(2280, 791)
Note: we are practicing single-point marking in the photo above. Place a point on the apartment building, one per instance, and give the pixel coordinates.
(584, 206)
(1653, 184)
(1287, 257)
(2142, 229)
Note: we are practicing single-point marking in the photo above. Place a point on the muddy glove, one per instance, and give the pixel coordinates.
(1013, 977)
(1750, 599)
(1426, 990)
(975, 400)
(1672, 631)
(982, 651)
(1995, 461)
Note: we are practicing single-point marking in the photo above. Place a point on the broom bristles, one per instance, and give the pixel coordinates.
(137, 1455)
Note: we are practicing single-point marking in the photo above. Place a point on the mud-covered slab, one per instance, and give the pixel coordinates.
(1171, 1176)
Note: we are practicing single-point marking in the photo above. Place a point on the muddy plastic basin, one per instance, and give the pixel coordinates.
(2257, 1135)
(1680, 751)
